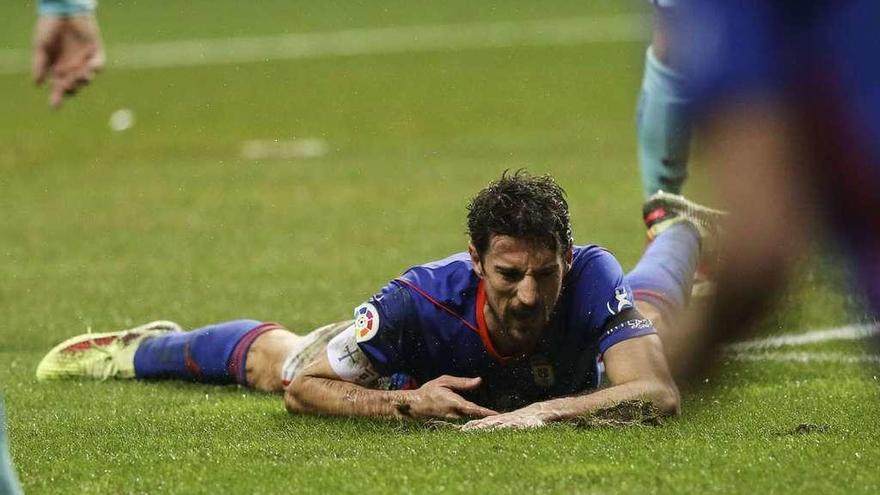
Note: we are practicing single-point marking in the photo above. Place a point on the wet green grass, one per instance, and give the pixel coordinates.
(103, 230)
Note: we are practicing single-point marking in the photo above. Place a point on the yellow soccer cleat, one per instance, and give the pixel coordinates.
(99, 356)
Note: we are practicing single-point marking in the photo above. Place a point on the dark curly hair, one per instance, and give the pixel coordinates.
(523, 206)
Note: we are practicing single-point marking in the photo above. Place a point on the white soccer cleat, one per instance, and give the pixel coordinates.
(664, 209)
(99, 355)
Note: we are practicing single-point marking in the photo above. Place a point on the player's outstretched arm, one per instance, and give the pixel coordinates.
(637, 370)
(319, 390)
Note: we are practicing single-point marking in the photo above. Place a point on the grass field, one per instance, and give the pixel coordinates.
(104, 230)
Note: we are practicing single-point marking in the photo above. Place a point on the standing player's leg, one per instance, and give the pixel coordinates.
(8, 480)
(247, 352)
(662, 127)
(680, 234)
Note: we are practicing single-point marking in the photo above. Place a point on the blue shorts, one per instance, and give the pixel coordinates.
(798, 50)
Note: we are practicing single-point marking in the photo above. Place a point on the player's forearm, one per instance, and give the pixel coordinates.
(323, 396)
(66, 7)
(664, 396)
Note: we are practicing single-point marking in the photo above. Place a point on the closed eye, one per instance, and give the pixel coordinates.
(511, 275)
(546, 272)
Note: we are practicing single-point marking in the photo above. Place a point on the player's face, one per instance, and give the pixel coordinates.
(523, 282)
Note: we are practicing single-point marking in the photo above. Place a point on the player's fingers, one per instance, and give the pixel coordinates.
(472, 410)
(73, 62)
(451, 415)
(471, 425)
(461, 383)
(82, 61)
(479, 424)
(84, 78)
(40, 65)
(68, 77)
(56, 95)
(97, 60)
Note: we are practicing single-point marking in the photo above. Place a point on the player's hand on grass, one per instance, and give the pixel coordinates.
(438, 399)
(519, 419)
(68, 52)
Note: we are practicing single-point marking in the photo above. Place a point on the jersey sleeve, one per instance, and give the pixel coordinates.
(66, 7)
(385, 329)
(604, 297)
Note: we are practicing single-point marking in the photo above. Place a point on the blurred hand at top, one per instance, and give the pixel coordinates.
(68, 52)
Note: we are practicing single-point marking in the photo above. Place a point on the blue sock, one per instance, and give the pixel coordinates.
(212, 354)
(663, 130)
(664, 275)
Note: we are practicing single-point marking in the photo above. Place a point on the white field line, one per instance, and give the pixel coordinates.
(849, 332)
(765, 349)
(353, 42)
(807, 357)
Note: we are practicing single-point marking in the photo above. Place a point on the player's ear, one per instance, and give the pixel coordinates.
(475, 259)
(569, 258)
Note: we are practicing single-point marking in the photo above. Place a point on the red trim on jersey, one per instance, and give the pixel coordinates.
(436, 302)
(483, 329)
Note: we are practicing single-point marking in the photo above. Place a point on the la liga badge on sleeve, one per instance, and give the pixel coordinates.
(366, 322)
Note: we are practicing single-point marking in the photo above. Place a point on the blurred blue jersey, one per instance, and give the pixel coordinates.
(429, 322)
(812, 53)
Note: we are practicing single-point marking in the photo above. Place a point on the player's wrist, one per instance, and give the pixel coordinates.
(544, 411)
(407, 403)
(66, 8)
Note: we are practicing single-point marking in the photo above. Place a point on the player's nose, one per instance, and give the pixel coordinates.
(527, 292)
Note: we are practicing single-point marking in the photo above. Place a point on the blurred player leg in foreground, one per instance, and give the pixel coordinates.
(793, 127)
(68, 50)
(662, 127)
(266, 356)
(8, 480)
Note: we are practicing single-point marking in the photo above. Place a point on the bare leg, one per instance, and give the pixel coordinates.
(753, 147)
(661, 322)
(265, 358)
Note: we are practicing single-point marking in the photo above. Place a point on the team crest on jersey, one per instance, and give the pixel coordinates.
(622, 300)
(542, 372)
(366, 322)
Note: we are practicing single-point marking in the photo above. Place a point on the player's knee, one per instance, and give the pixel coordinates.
(265, 358)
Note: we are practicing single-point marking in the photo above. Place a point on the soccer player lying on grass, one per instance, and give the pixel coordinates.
(515, 331)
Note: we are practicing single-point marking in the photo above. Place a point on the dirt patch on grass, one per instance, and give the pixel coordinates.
(626, 413)
(806, 429)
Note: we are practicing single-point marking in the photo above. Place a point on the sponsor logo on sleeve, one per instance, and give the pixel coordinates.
(366, 322)
(622, 300)
(636, 324)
